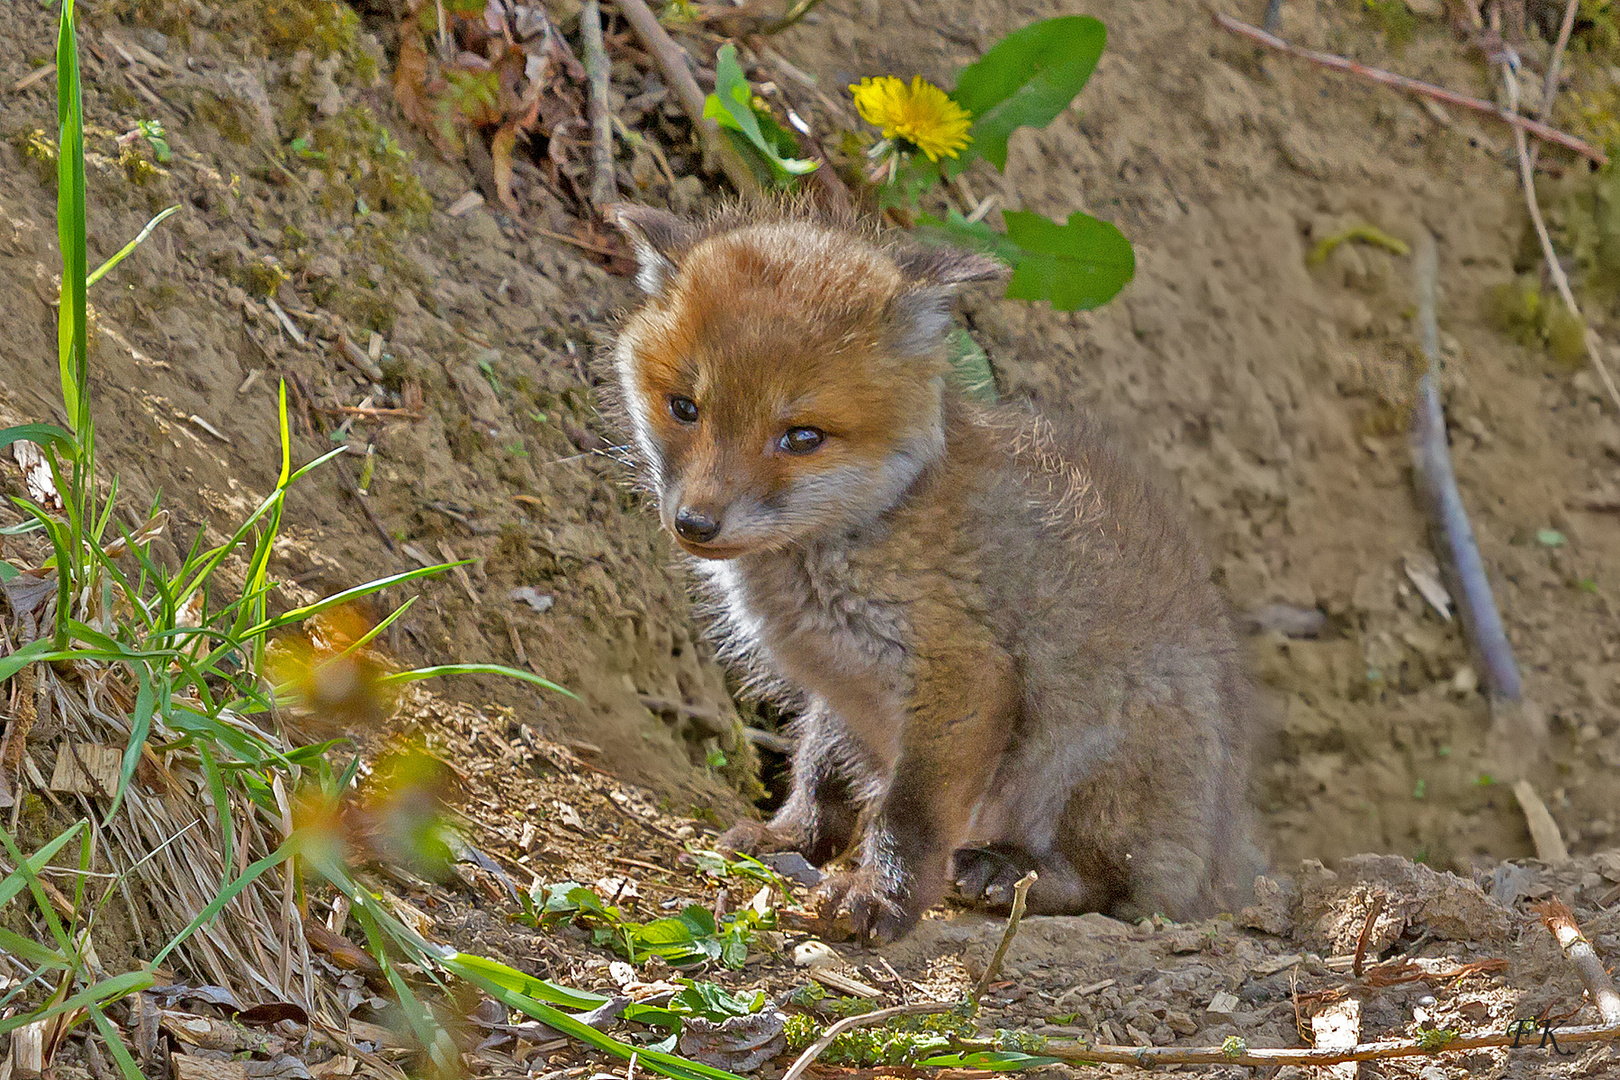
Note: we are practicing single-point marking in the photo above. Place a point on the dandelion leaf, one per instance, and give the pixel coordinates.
(1026, 80)
(731, 106)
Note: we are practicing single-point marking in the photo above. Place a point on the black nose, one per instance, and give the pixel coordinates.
(695, 525)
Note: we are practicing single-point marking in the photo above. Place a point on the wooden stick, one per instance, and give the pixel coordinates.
(1414, 86)
(604, 187)
(1527, 178)
(1020, 894)
(1544, 833)
(819, 1047)
(672, 62)
(1556, 916)
(1437, 483)
(1373, 911)
(1235, 1052)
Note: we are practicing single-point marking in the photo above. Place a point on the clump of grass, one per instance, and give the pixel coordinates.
(165, 673)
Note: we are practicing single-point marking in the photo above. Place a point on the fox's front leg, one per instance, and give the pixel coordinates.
(833, 780)
(959, 720)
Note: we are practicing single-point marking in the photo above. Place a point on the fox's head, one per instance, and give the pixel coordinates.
(784, 378)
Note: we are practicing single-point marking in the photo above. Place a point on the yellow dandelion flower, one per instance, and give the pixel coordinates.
(921, 114)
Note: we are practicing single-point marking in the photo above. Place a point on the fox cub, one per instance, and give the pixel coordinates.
(1004, 648)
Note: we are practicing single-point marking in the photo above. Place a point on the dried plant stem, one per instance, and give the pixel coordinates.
(604, 188)
(1437, 482)
(993, 968)
(1373, 911)
(1527, 177)
(1414, 86)
(1556, 917)
(877, 1016)
(671, 60)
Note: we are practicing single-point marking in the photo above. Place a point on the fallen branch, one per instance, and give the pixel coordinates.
(1556, 917)
(1414, 86)
(1020, 895)
(671, 60)
(1236, 1052)
(604, 187)
(877, 1016)
(1437, 482)
(1527, 178)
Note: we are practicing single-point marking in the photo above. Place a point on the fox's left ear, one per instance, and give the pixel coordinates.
(920, 314)
(659, 239)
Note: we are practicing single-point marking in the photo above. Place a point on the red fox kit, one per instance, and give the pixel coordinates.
(1005, 650)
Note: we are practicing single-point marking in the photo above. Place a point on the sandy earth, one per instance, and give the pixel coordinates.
(1272, 394)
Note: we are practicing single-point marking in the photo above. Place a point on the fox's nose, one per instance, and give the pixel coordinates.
(695, 525)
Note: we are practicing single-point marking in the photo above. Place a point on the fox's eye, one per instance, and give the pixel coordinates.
(800, 440)
(683, 409)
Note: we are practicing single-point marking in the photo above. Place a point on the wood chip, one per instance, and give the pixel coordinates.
(1544, 832)
(466, 204)
(251, 380)
(844, 984)
(1338, 1026)
(1276, 964)
(286, 321)
(87, 769)
(210, 428)
(187, 1067)
(1223, 1003)
(33, 77)
(28, 1050)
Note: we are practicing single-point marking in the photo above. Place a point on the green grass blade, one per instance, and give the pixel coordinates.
(298, 615)
(74, 319)
(123, 252)
(30, 875)
(115, 1044)
(34, 650)
(140, 726)
(43, 434)
(32, 951)
(119, 986)
(222, 803)
(287, 850)
(484, 976)
(417, 674)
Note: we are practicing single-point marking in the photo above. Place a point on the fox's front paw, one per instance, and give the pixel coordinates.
(877, 910)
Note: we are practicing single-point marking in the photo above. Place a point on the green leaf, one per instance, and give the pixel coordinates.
(970, 365)
(1077, 266)
(732, 106)
(34, 650)
(1551, 538)
(1026, 80)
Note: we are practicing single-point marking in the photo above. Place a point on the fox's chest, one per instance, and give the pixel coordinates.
(817, 620)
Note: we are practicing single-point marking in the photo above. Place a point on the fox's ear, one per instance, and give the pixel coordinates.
(659, 239)
(920, 314)
(948, 266)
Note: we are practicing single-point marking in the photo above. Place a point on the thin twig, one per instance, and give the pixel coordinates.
(992, 969)
(671, 60)
(1527, 178)
(819, 1047)
(799, 11)
(1549, 842)
(1549, 88)
(1239, 1054)
(1414, 86)
(1373, 911)
(1437, 482)
(604, 188)
(356, 410)
(1556, 916)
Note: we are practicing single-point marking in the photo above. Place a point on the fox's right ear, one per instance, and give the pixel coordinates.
(659, 239)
